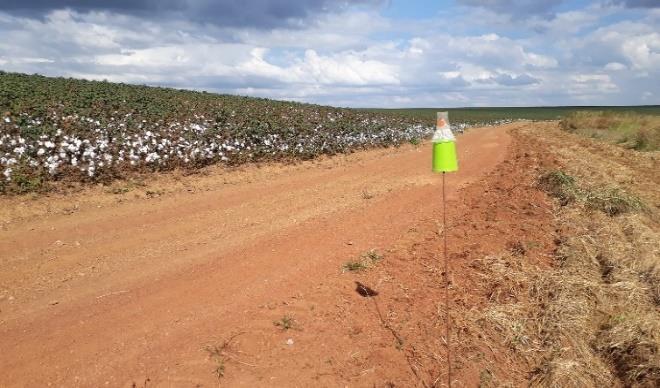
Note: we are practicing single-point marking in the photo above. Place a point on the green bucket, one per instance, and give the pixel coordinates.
(444, 157)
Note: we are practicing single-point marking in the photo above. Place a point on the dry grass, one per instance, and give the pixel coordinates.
(572, 296)
(632, 130)
(589, 322)
(602, 301)
(507, 314)
(631, 343)
(592, 320)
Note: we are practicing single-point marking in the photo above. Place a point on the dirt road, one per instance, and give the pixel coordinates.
(118, 289)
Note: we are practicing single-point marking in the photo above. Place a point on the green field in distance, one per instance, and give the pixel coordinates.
(489, 115)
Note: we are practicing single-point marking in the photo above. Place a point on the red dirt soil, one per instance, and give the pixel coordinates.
(98, 289)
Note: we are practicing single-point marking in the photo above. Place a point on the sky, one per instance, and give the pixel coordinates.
(364, 53)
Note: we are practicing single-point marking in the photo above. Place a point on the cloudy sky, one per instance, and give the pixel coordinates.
(367, 53)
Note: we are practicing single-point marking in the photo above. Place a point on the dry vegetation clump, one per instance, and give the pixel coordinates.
(560, 185)
(610, 200)
(632, 130)
(613, 201)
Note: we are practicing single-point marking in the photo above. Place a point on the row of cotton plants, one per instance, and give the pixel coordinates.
(29, 148)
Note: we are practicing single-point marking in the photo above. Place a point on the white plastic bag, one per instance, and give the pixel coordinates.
(442, 129)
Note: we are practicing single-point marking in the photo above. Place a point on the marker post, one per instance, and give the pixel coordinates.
(444, 161)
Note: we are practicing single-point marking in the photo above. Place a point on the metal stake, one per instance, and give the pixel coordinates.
(447, 321)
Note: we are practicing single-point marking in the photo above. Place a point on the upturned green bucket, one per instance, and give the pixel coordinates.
(444, 157)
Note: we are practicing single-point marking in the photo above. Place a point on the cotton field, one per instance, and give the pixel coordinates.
(107, 149)
(174, 144)
(85, 131)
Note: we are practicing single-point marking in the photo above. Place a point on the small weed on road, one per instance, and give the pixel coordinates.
(219, 354)
(367, 260)
(285, 323)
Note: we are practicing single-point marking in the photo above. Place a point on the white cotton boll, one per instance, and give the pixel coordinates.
(152, 157)
(52, 168)
(7, 120)
(7, 174)
(74, 161)
(49, 144)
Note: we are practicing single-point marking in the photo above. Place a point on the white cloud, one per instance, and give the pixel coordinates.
(344, 68)
(592, 83)
(330, 32)
(540, 60)
(636, 44)
(643, 51)
(357, 57)
(615, 66)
